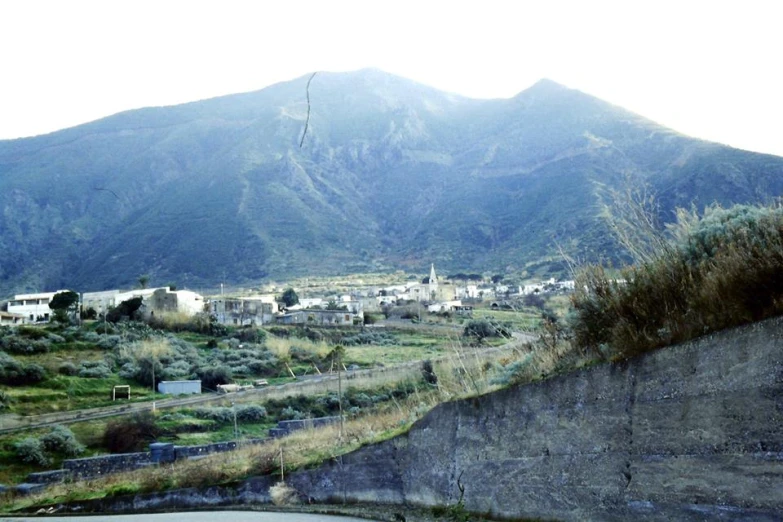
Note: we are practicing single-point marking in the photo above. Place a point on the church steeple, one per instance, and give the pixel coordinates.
(433, 277)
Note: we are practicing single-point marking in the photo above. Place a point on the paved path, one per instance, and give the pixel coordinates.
(199, 516)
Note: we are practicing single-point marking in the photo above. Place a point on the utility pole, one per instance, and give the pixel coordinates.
(236, 429)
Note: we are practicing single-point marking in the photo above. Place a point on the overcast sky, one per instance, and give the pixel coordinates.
(713, 69)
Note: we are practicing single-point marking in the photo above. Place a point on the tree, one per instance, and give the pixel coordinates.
(144, 280)
(62, 303)
(289, 297)
(127, 309)
(497, 278)
(334, 305)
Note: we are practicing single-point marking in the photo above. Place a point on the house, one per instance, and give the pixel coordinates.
(465, 310)
(308, 302)
(33, 307)
(164, 300)
(155, 300)
(11, 319)
(104, 301)
(444, 306)
(466, 292)
(318, 317)
(244, 311)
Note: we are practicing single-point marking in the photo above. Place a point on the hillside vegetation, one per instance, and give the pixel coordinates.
(391, 175)
(721, 270)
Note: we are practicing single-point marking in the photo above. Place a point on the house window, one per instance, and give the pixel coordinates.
(347, 318)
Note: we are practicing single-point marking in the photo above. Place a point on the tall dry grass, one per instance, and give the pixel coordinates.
(726, 269)
(281, 346)
(301, 449)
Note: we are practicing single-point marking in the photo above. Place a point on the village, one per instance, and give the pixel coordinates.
(431, 295)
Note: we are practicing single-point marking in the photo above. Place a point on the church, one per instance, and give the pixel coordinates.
(432, 290)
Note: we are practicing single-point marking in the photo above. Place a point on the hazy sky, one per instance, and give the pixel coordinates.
(713, 69)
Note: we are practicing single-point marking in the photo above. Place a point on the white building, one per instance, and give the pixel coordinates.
(11, 319)
(244, 311)
(161, 299)
(104, 301)
(33, 307)
(444, 306)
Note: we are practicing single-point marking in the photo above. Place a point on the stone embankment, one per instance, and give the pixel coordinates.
(692, 432)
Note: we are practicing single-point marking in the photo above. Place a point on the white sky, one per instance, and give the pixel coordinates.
(710, 69)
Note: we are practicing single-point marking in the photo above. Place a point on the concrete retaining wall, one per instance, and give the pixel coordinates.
(686, 433)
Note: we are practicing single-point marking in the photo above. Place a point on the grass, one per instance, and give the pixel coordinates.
(525, 320)
(65, 393)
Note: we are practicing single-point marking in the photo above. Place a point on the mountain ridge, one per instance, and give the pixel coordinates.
(391, 174)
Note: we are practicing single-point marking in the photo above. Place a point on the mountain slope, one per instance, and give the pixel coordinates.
(391, 174)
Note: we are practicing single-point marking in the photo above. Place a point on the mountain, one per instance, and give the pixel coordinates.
(391, 174)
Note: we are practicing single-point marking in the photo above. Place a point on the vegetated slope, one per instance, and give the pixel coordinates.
(391, 174)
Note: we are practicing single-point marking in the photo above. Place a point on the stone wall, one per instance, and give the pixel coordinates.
(91, 467)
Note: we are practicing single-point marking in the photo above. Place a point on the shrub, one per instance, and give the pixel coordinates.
(109, 342)
(249, 334)
(251, 413)
(24, 346)
(283, 495)
(32, 332)
(32, 451)
(67, 368)
(224, 415)
(14, 373)
(214, 375)
(5, 400)
(480, 329)
(62, 440)
(129, 434)
(289, 413)
(94, 370)
(125, 310)
(429, 373)
(723, 271)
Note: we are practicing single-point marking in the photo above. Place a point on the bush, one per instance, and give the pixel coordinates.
(32, 451)
(249, 334)
(214, 375)
(723, 271)
(429, 373)
(14, 373)
(223, 415)
(24, 346)
(480, 329)
(94, 370)
(128, 310)
(32, 332)
(129, 434)
(289, 413)
(67, 368)
(5, 400)
(109, 342)
(62, 440)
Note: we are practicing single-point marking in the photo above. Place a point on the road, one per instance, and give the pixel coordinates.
(198, 516)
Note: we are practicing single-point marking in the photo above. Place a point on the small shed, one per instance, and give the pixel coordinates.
(179, 387)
